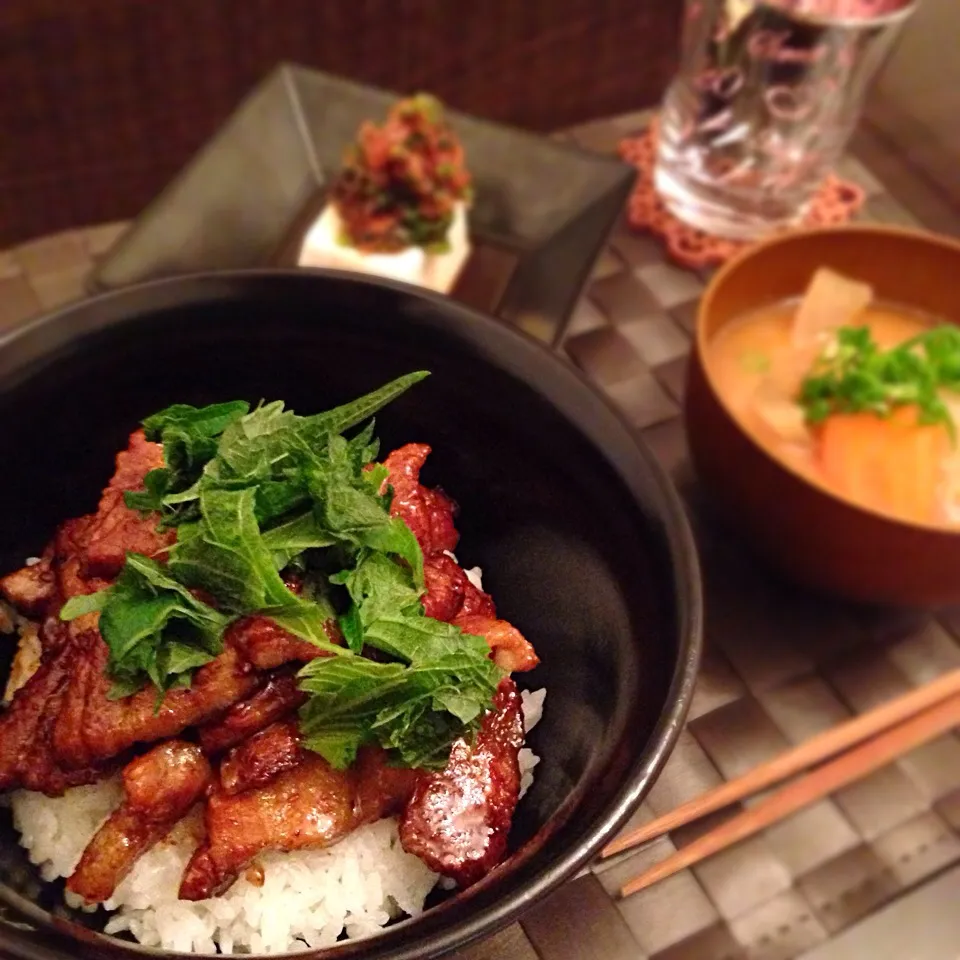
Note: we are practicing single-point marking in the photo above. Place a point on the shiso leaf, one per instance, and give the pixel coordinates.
(253, 494)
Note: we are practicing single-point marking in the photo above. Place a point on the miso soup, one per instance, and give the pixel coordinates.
(856, 394)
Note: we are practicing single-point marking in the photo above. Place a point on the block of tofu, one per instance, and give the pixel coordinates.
(435, 271)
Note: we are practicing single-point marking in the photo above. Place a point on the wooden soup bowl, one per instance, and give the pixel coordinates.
(812, 535)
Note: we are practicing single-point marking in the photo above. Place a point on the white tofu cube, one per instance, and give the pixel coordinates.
(435, 271)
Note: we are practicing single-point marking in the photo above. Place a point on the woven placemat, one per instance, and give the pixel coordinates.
(836, 202)
(779, 665)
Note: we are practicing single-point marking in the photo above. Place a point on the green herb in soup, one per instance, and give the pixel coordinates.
(755, 362)
(853, 375)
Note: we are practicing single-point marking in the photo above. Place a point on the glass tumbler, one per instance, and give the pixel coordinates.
(767, 96)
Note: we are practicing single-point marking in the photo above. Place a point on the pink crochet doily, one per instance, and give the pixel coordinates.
(836, 202)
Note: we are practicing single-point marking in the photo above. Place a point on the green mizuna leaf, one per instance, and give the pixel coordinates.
(301, 532)
(262, 498)
(407, 710)
(155, 629)
(208, 422)
(224, 554)
(83, 604)
(350, 506)
(448, 682)
(156, 486)
(343, 418)
(189, 437)
(379, 587)
(295, 536)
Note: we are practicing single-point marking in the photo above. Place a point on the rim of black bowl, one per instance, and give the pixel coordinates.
(580, 403)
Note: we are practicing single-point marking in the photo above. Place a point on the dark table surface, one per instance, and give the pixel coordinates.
(873, 871)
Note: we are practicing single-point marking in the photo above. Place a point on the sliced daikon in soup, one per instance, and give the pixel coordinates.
(775, 356)
(830, 302)
(758, 374)
(776, 408)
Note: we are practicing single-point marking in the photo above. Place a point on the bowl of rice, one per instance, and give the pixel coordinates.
(563, 516)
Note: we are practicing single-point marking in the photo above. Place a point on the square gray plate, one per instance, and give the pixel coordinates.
(542, 214)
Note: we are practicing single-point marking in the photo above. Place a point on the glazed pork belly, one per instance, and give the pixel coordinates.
(450, 596)
(159, 790)
(273, 795)
(307, 805)
(458, 820)
(29, 589)
(264, 790)
(428, 513)
(279, 697)
(61, 729)
(261, 759)
(116, 529)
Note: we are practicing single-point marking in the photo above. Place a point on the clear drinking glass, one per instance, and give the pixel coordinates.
(767, 96)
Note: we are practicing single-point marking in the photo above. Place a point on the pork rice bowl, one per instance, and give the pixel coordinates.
(257, 704)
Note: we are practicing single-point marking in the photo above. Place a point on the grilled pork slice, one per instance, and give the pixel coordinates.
(116, 529)
(310, 805)
(446, 585)
(267, 645)
(26, 730)
(88, 727)
(30, 589)
(382, 790)
(69, 727)
(511, 650)
(428, 513)
(60, 681)
(449, 592)
(449, 595)
(92, 728)
(458, 820)
(69, 564)
(279, 698)
(26, 661)
(261, 759)
(40, 590)
(159, 789)
(61, 730)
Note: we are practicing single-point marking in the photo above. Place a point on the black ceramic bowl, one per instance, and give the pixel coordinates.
(582, 540)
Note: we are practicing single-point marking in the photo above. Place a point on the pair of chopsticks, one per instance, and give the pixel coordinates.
(840, 756)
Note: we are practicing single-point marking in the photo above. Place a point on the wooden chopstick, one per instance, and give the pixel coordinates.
(844, 769)
(808, 754)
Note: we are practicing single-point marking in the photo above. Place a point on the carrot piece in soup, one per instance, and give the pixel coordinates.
(894, 465)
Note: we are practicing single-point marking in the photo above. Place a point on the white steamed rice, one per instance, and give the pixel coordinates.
(308, 898)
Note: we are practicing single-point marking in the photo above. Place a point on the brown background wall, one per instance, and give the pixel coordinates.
(916, 102)
(102, 101)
